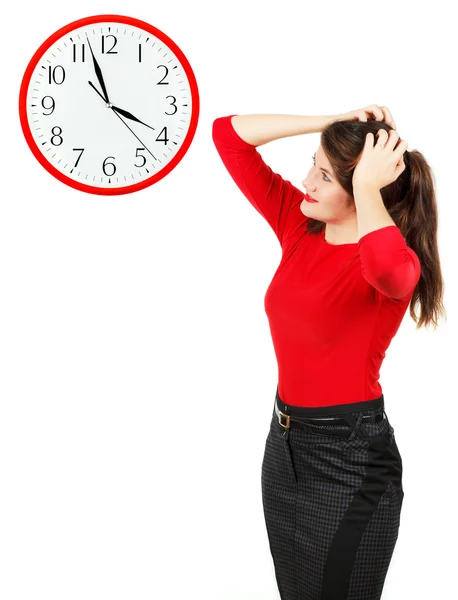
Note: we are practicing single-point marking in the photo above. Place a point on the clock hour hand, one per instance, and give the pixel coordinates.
(98, 72)
(129, 115)
(121, 111)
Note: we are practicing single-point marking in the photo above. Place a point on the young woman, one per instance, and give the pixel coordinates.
(359, 244)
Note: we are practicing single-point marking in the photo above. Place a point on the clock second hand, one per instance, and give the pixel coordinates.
(113, 109)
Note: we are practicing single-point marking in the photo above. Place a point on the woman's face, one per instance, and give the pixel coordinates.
(333, 202)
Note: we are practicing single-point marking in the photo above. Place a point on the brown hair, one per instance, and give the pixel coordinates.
(410, 201)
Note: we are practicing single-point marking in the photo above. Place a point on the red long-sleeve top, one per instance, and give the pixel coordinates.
(332, 309)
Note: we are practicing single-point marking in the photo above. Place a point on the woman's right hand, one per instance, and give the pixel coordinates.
(379, 113)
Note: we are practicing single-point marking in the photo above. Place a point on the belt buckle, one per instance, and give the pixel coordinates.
(280, 415)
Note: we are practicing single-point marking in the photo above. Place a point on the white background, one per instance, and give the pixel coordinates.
(137, 371)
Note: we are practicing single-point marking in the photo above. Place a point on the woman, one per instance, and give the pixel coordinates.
(359, 244)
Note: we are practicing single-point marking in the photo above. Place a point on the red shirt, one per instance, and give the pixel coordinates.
(332, 309)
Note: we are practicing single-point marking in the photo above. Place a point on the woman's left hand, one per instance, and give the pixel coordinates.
(380, 165)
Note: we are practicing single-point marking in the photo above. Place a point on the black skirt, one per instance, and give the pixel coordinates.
(332, 497)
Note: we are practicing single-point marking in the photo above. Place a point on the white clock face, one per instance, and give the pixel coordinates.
(109, 105)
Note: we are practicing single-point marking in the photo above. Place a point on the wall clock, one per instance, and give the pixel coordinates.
(109, 104)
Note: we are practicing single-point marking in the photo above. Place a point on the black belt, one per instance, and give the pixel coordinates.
(287, 422)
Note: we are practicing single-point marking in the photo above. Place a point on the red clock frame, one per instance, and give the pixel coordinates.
(23, 105)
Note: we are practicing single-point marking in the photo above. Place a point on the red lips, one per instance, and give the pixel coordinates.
(309, 198)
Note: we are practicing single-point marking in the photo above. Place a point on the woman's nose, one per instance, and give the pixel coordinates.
(307, 183)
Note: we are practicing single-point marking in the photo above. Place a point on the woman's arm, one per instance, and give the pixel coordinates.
(275, 198)
(261, 129)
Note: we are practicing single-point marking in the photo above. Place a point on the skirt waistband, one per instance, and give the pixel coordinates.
(329, 411)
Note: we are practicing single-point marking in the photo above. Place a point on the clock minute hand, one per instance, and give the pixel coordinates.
(98, 72)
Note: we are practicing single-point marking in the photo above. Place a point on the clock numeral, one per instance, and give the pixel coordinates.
(139, 53)
(77, 150)
(112, 164)
(141, 156)
(52, 74)
(162, 82)
(110, 50)
(83, 48)
(165, 139)
(51, 108)
(173, 104)
(56, 135)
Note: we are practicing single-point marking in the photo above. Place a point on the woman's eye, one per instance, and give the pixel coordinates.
(324, 174)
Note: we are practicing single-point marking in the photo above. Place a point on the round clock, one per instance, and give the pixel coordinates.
(109, 104)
